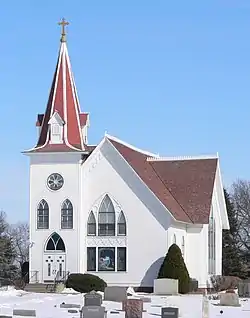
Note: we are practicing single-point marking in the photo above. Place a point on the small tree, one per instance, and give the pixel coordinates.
(174, 267)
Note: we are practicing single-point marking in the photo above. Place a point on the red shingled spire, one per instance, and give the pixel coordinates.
(62, 125)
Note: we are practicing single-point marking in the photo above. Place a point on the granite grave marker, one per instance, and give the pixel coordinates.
(115, 293)
(93, 312)
(169, 312)
(92, 299)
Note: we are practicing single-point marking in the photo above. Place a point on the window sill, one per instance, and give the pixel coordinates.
(103, 236)
(106, 272)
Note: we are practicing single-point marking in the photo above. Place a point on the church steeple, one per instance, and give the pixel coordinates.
(63, 127)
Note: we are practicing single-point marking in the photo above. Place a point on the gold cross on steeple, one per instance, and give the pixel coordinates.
(63, 23)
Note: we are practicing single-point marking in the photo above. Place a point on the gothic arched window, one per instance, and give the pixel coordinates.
(43, 215)
(91, 230)
(67, 215)
(55, 243)
(106, 218)
(121, 225)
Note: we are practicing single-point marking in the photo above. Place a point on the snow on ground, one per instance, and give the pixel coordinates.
(48, 305)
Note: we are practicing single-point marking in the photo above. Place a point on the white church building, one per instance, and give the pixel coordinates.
(112, 209)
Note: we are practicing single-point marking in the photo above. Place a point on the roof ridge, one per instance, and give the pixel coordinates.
(149, 154)
(179, 158)
(171, 193)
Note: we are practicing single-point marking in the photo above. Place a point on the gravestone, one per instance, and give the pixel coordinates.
(24, 312)
(115, 293)
(146, 299)
(93, 312)
(244, 289)
(69, 306)
(72, 311)
(133, 308)
(229, 299)
(167, 312)
(92, 299)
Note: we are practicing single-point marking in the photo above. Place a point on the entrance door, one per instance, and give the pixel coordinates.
(54, 267)
(54, 258)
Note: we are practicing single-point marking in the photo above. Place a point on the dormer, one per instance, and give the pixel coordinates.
(56, 129)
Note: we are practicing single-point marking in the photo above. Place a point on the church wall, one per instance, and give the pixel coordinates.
(196, 257)
(41, 166)
(217, 208)
(146, 240)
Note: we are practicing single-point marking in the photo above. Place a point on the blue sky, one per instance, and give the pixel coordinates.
(172, 77)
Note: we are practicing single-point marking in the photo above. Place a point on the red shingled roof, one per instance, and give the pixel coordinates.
(184, 187)
(63, 100)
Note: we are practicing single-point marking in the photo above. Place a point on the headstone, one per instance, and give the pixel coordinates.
(92, 299)
(93, 312)
(24, 312)
(146, 299)
(165, 286)
(69, 306)
(133, 308)
(229, 299)
(244, 289)
(167, 312)
(115, 293)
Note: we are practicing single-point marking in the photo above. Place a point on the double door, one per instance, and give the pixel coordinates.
(54, 266)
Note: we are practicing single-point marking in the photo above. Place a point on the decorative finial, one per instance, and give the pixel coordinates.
(63, 23)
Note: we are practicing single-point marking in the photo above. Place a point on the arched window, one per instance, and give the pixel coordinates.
(91, 224)
(174, 239)
(55, 243)
(67, 215)
(43, 215)
(121, 229)
(106, 218)
(183, 246)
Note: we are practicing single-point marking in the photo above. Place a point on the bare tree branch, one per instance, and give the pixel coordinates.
(20, 238)
(241, 199)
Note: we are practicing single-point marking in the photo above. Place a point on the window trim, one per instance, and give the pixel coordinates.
(121, 215)
(37, 215)
(104, 210)
(116, 259)
(88, 223)
(61, 215)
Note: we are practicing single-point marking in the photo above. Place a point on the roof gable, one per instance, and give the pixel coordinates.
(56, 119)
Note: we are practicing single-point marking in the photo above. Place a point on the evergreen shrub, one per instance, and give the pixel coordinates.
(174, 267)
(84, 283)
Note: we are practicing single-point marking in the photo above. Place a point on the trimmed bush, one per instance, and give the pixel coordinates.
(174, 267)
(221, 283)
(84, 283)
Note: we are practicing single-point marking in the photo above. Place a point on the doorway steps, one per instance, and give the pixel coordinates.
(40, 288)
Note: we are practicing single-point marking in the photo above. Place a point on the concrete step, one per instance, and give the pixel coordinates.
(40, 288)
